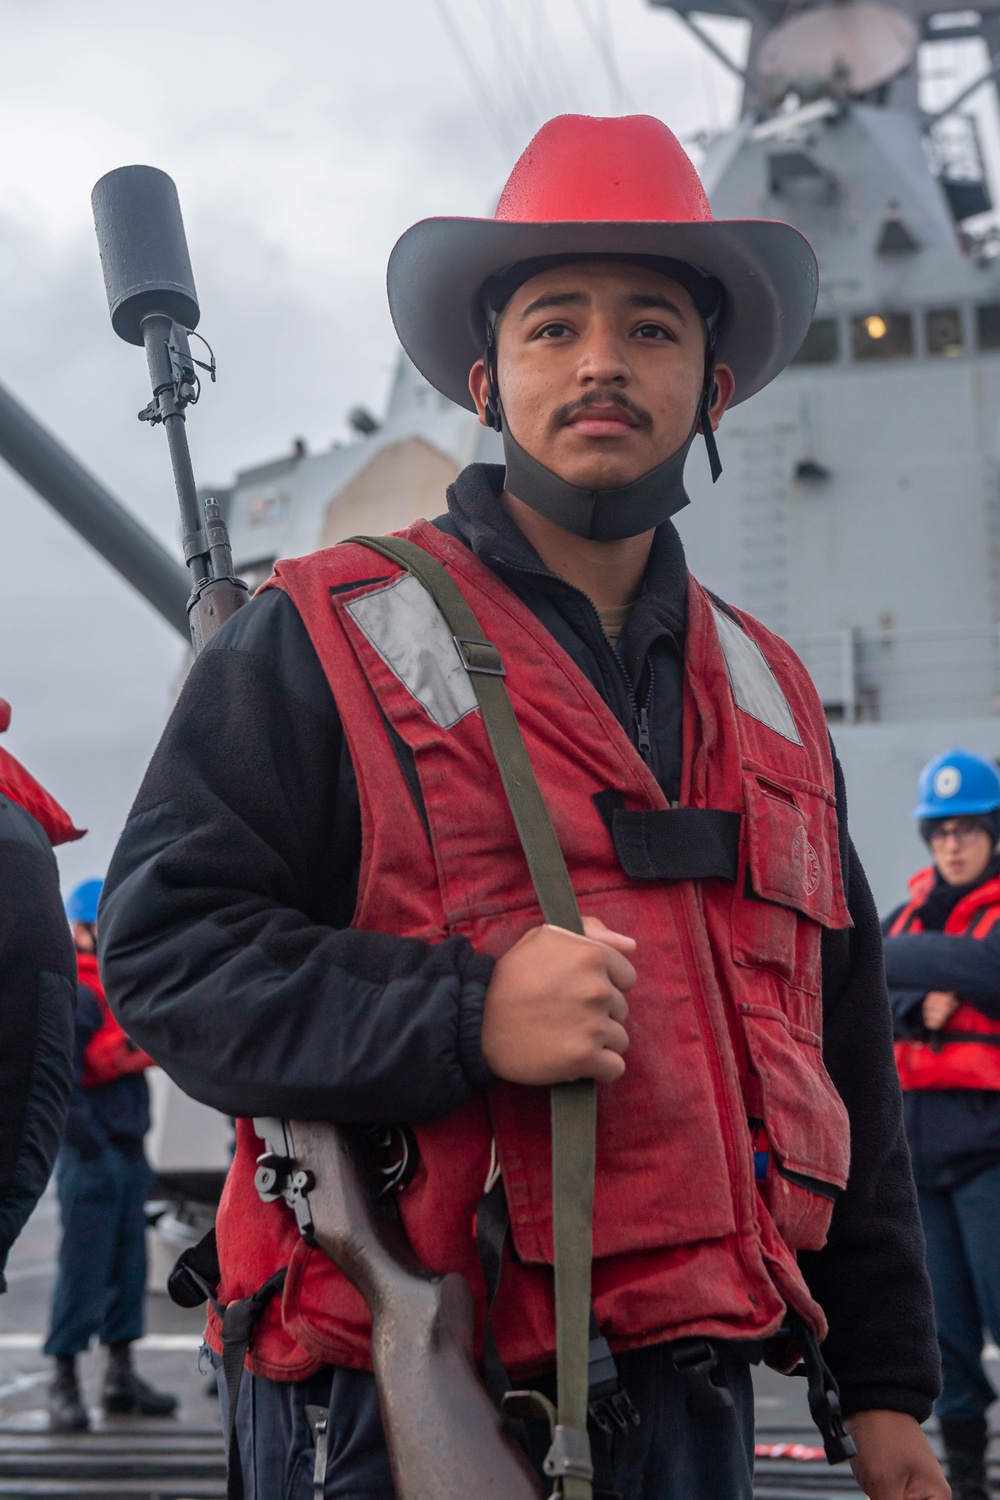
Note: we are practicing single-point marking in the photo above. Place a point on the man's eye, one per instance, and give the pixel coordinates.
(653, 331)
(553, 331)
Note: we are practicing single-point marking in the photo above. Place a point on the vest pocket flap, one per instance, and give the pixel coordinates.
(804, 1116)
(791, 850)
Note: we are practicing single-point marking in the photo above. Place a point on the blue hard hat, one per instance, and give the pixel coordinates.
(957, 783)
(81, 903)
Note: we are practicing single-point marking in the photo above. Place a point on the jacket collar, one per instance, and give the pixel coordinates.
(477, 517)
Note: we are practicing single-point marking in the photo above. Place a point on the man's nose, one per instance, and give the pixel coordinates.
(603, 358)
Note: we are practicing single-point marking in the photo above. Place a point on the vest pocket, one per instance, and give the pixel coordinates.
(789, 882)
(805, 1121)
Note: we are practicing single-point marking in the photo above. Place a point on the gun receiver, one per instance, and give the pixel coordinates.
(445, 1437)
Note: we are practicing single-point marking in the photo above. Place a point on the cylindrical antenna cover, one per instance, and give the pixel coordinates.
(144, 251)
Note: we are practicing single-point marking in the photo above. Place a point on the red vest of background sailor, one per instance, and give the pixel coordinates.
(21, 787)
(961, 1062)
(110, 1053)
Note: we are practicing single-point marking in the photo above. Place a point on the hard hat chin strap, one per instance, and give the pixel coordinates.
(601, 515)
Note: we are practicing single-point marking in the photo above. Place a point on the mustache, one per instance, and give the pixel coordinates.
(565, 414)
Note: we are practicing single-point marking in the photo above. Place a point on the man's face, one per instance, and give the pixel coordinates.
(85, 936)
(600, 366)
(962, 849)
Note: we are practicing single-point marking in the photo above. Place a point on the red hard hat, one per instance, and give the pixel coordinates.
(583, 187)
(622, 170)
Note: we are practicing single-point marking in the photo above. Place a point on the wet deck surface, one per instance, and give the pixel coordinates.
(181, 1457)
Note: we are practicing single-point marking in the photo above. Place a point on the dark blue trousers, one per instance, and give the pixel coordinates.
(669, 1456)
(101, 1281)
(962, 1228)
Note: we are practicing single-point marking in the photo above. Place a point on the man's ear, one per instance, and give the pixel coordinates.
(722, 394)
(479, 388)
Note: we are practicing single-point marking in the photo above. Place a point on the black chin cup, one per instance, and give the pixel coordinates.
(601, 515)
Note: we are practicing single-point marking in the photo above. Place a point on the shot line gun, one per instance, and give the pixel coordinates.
(444, 1435)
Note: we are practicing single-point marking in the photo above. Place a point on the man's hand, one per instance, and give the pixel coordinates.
(555, 1007)
(939, 1007)
(894, 1459)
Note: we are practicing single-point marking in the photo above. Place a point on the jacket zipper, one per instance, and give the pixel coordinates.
(640, 716)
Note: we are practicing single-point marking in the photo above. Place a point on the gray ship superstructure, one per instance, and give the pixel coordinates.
(859, 513)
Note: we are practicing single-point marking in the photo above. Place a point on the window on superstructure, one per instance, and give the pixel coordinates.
(821, 345)
(882, 336)
(988, 325)
(943, 327)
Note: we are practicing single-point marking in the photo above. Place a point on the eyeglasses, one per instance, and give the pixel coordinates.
(962, 833)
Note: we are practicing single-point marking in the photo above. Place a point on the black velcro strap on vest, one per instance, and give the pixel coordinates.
(672, 843)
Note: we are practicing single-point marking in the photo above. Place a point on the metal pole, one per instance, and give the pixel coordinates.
(84, 503)
(966, 93)
(157, 332)
(711, 44)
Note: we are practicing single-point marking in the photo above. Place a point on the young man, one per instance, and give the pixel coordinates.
(942, 955)
(320, 909)
(103, 1179)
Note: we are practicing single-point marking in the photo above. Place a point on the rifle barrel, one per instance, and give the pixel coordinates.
(72, 491)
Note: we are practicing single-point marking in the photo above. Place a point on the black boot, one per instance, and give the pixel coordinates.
(965, 1446)
(126, 1392)
(67, 1412)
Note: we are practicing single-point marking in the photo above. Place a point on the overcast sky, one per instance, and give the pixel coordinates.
(304, 138)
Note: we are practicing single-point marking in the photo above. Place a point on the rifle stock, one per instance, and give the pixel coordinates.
(445, 1437)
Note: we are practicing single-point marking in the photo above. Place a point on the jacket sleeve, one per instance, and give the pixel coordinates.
(870, 1278)
(84, 1131)
(226, 949)
(37, 983)
(967, 966)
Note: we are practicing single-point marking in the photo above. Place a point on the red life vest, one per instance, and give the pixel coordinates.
(961, 1062)
(21, 787)
(725, 1018)
(109, 1054)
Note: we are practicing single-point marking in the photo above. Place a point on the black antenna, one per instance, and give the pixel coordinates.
(152, 301)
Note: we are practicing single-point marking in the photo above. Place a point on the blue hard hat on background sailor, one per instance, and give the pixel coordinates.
(959, 784)
(942, 954)
(103, 1180)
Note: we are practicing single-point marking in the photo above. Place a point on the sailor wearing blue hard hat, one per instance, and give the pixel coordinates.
(942, 954)
(103, 1181)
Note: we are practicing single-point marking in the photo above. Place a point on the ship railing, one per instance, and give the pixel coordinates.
(891, 674)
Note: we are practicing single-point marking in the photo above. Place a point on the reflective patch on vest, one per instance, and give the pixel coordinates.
(410, 634)
(755, 687)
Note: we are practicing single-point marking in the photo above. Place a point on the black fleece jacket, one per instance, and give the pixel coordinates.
(37, 984)
(226, 951)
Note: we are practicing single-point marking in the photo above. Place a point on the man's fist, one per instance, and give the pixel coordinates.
(555, 1008)
(894, 1459)
(939, 1007)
